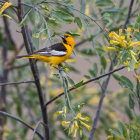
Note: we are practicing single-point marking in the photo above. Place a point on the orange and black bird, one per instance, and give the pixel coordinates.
(55, 54)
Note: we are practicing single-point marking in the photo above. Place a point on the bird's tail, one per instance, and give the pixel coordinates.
(24, 56)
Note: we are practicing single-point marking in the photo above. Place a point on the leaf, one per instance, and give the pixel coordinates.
(95, 69)
(70, 81)
(89, 52)
(120, 127)
(132, 65)
(78, 84)
(57, 76)
(73, 34)
(111, 10)
(92, 73)
(116, 76)
(25, 19)
(87, 77)
(131, 101)
(126, 83)
(79, 22)
(103, 62)
(117, 134)
(129, 113)
(37, 18)
(103, 3)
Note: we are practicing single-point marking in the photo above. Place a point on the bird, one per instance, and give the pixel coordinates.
(55, 54)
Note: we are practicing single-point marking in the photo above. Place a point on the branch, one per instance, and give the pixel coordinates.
(84, 83)
(17, 67)
(19, 82)
(105, 84)
(29, 48)
(96, 118)
(128, 15)
(21, 121)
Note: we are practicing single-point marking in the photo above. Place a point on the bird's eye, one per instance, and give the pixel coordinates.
(66, 36)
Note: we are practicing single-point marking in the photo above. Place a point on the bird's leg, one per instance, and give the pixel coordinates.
(60, 68)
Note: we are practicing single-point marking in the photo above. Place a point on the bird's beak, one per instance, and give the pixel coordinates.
(62, 36)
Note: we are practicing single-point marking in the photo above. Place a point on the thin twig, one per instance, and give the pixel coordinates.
(128, 15)
(84, 83)
(21, 121)
(19, 82)
(17, 67)
(35, 130)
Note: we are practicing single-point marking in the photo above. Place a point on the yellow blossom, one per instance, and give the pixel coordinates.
(87, 10)
(109, 48)
(81, 132)
(136, 66)
(134, 43)
(71, 129)
(78, 115)
(75, 133)
(114, 42)
(87, 126)
(120, 31)
(59, 112)
(65, 123)
(110, 137)
(128, 33)
(133, 56)
(76, 125)
(135, 30)
(136, 76)
(5, 6)
(84, 119)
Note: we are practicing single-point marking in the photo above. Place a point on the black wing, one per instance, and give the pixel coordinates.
(54, 50)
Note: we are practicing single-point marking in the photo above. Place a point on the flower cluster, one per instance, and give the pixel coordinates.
(127, 48)
(77, 124)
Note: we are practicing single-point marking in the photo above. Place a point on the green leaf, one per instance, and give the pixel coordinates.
(37, 18)
(103, 3)
(126, 83)
(73, 34)
(129, 113)
(79, 22)
(132, 65)
(131, 101)
(111, 10)
(117, 134)
(95, 69)
(120, 127)
(92, 73)
(25, 19)
(103, 62)
(71, 81)
(86, 76)
(116, 76)
(78, 84)
(57, 76)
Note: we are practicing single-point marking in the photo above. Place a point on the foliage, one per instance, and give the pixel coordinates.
(103, 43)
